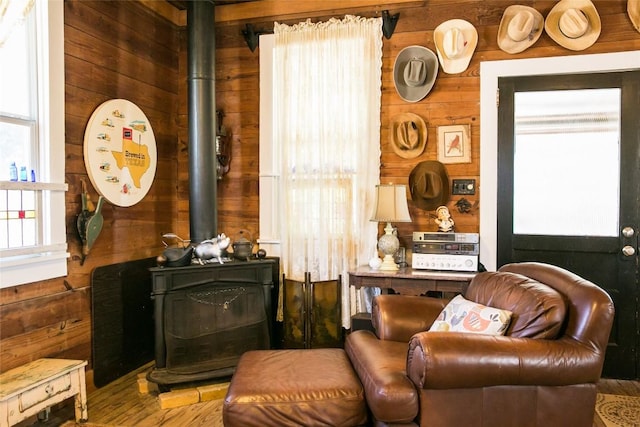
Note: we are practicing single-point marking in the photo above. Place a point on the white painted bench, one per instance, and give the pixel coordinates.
(30, 389)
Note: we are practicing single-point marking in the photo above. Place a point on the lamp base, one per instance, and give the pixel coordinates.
(388, 264)
(388, 245)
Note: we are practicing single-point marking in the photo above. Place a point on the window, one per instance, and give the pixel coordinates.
(32, 212)
(575, 140)
(320, 147)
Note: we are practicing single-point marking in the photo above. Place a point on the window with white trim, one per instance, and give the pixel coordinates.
(32, 164)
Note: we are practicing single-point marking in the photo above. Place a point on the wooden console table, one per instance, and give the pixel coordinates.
(27, 390)
(408, 281)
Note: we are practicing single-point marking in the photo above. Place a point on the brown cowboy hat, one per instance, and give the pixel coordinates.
(408, 135)
(573, 24)
(520, 27)
(429, 185)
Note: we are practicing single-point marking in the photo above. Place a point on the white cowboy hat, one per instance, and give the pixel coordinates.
(414, 72)
(408, 135)
(633, 9)
(455, 40)
(573, 24)
(520, 27)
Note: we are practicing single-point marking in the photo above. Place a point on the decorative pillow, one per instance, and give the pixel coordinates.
(462, 315)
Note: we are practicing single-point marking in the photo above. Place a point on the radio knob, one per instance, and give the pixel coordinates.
(468, 263)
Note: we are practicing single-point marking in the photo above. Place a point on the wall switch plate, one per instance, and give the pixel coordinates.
(464, 186)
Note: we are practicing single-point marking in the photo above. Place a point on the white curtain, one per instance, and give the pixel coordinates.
(327, 122)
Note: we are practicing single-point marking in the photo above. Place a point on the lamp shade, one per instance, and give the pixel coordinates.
(391, 204)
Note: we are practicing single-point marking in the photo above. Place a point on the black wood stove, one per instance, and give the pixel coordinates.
(207, 316)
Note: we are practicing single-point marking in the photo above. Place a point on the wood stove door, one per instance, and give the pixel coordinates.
(208, 327)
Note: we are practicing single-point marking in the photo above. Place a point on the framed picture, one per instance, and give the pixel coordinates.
(454, 144)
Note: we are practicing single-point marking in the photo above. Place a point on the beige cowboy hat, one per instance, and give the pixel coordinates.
(408, 135)
(455, 40)
(414, 72)
(573, 24)
(429, 185)
(633, 9)
(520, 27)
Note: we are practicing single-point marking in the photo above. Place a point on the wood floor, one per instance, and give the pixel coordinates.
(121, 404)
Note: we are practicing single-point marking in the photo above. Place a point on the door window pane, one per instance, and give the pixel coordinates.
(566, 162)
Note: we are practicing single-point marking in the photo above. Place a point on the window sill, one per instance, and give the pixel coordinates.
(19, 270)
(26, 185)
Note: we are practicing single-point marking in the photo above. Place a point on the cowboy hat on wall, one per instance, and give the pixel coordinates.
(520, 27)
(633, 10)
(573, 24)
(455, 40)
(408, 135)
(414, 72)
(429, 185)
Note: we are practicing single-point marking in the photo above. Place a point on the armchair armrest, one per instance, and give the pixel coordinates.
(446, 360)
(399, 317)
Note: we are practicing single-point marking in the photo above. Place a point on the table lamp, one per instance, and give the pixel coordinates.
(391, 206)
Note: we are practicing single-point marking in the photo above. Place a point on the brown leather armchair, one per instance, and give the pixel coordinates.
(543, 372)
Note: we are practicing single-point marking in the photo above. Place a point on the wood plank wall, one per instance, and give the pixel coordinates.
(122, 50)
(112, 50)
(455, 99)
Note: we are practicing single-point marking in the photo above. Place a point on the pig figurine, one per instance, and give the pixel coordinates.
(212, 248)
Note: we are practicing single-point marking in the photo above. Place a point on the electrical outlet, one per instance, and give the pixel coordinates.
(464, 186)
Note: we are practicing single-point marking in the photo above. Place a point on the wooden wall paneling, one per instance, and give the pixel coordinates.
(25, 316)
(453, 100)
(112, 50)
(65, 339)
(121, 49)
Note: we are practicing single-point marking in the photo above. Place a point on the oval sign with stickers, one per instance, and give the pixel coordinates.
(120, 152)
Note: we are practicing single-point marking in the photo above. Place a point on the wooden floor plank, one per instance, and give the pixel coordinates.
(121, 404)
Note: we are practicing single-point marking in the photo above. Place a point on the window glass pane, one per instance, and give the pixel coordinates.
(29, 200)
(18, 218)
(4, 217)
(15, 145)
(29, 230)
(566, 163)
(15, 79)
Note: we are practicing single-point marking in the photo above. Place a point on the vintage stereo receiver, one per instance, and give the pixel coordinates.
(445, 251)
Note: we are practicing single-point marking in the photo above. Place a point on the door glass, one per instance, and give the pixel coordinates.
(566, 162)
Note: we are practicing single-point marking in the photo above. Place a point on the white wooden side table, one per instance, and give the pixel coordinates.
(27, 390)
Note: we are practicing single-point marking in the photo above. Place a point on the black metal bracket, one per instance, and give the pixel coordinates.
(389, 23)
(252, 36)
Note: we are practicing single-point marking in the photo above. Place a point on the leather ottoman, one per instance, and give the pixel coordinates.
(315, 387)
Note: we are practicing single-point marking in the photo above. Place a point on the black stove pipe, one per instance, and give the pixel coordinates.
(203, 214)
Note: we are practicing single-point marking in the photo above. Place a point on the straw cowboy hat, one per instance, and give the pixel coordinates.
(520, 27)
(455, 40)
(573, 24)
(414, 72)
(633, 9)
(408, 135)
(429, 185)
